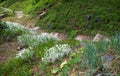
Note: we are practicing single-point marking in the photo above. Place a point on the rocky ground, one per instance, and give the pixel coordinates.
(9, 49)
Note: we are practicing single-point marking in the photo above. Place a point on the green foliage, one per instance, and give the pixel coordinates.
(55, 70)
(73, 34)
(91, 57)
(102, 47)
(2, 27)
(10, 2)
(71, 15)
(6, 11)
(115, 43)
(9, 66)
(16, 67)
(68, 15)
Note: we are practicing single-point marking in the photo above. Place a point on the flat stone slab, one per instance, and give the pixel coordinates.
(19, 14)
(108, 58)
(99, 37)
(83, 37)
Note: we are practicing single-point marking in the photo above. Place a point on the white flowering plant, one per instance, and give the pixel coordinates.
(16, 28)
(32, 40)
(25, 53)
(54, 53)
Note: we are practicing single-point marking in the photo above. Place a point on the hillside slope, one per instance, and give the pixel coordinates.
(87, 17)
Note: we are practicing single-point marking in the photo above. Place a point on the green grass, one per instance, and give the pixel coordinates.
(71, 15)
(65, 16)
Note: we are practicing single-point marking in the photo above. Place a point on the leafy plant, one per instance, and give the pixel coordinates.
(10, 65)
(6, 11)
(2, 27)
(55, 70)
(73, 34)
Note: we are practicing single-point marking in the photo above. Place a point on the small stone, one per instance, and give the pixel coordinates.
(97, 19)
(82, 37)
(99, 37)
(35, 28)
(62, 36)
(100, 74)
(88, 17)
(10, 38)
(19, 14)
(42, 14)
(55, 35)
(20, 47)
(108, 58)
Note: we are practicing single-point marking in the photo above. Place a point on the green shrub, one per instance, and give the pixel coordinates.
(73, 34)
(6, 11)
(2, 27)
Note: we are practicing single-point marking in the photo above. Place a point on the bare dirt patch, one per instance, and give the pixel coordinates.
(7, 51)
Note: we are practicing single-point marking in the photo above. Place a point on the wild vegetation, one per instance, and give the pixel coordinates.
(66, 16)
(45, 54)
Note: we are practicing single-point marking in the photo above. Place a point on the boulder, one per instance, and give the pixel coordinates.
(99, 37)
(82, 38)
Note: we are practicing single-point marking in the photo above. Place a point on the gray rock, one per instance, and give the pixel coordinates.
(100, 74)
(97, 19)
(9, 38)
(108, 58)
(88, 17)
(99, 37)
(82, 37)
